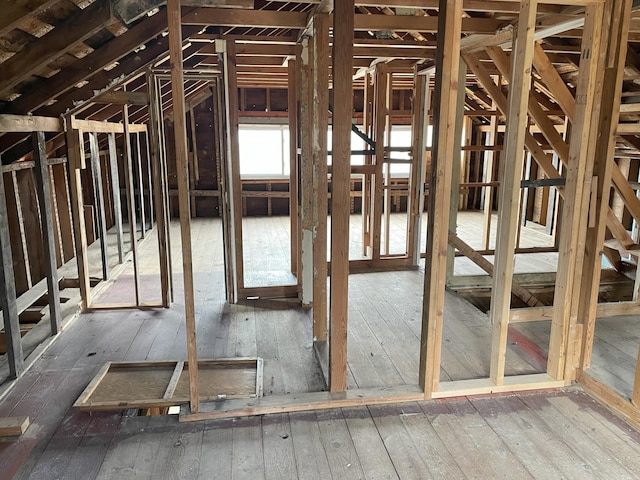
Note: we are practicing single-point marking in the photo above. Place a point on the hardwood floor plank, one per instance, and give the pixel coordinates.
(216, 450)
(372, 452)
(279, 456)
(407, 460)
(310, 456)
(341, 453)
(570, 432)
(439, 461)
(514, 435)
(247, 456)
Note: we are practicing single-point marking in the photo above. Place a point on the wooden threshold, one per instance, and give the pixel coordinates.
(303, 402)
(482, 386)
(95, 307)
(360, 397)
(606, 396)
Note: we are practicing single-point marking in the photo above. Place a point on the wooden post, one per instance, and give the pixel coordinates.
(8, 294)
(140, 184)
(115, 188)
(603, 151)
(341, 182)
(635, 396)
(368, 160)
(99, 203)
(576, 194)
(510, 186)
(61, 186)
(234, 187)
(292, 107)
(131, 202)
(489, 158)
(155, 162)
(76, 162)
(457, 159)
(320, 125)
(147, 156)
(193, 163)
(306, 175)
(416, 182)
(179, 119)
(386, 166)
(379, 123)
(43, 183)
(445, 108)
(220, 114)
(164, 176)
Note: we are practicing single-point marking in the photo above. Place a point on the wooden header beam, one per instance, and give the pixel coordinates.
(28, 123)
(299, 20)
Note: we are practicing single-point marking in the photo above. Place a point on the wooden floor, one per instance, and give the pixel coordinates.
(544, 435)
(550, 435)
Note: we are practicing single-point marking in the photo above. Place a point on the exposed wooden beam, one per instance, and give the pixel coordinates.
(293, 81)
(319, 127)
(577, 200)
(29, 123)
(245, 18)
(602, 148)
(115, 194)
(422, 24)
(96, 173)
(277, 19)
(156, 143)
(419, 120)
(122, 97)
(342, 58)
(43, 184)
(180, 129)
(445, 108)
(54, 44)
(515, 135)
(129, 11)
(76, 162)
(8, 293)
(553, 81)
(94, 64)
(305, 60)
(518, 290)
(14, 12)
(543, 160)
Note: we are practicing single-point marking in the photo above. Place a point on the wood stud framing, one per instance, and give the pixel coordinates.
(444, 113)
(46, 220)
(510, 187)
(574, 213)
(576, 159)
(603, 170)
(177, 89)
(319, 127)
(8, 294)
(340, 175)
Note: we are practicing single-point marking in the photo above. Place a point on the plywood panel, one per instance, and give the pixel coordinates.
(124, 385)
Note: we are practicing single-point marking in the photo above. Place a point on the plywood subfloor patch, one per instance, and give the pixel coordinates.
(124, 385)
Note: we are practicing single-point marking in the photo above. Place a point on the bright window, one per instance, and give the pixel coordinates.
(264, 150)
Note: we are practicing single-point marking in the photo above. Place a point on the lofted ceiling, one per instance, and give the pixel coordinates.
(58, 55)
